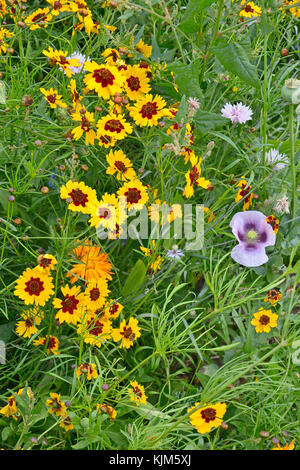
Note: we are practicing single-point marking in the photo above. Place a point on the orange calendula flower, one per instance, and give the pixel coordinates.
(250, 10)
(244, 192)
(121, 165)
(274, 222)
(91, 265)
(106, 80)
(79, 196)
(34, 287)
(148, 110)
(113, 126)
(208, 417)
(87, 369)
(38, 19)
(94, 331)
(55, 405)
(135, 193)
(290, 446)
(86, 119)
(104, 408)
(193, 177)
(70, 308)
(137, 393)
(273, 296)
(264, 320)
(126, 333)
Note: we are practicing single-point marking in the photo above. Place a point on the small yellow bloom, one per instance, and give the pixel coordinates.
(126, 333)
(137, 393)
(264, 320)
(88, 369)
(208, 417)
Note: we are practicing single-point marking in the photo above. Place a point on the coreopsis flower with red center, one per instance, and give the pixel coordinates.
(104, 408)
(51, 343)
(143, 48)
(112, 56)
(95, 294)
(113, 309)
(53, 98)
(79, 196)
(58, 6)
(148, 110)
(106, 141)
(274, 222)
(126, 333)
(120, 165)
(75, 96)
(34, 287)
(71, 307)
(61, 59)
(11, 409)
(249, 10)
(86, 119)
(94, 331)
(4, 35)
(294, 10)
(38, 19)
(55, 405)
(244, 193)
(273, 296)
(152, 253)
(105, 79)
(137, 393)
(208, 417)
(28, 326)
(88, 370)
(91, 264)
(193, 178)
(264, 320)
(46, 263)
(136, 82)
(143, 65)
(66, 422)
(135, 193)
(290, 446)
(104, 212)
(113, 126)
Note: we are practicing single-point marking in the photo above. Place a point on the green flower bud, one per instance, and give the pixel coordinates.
(291, 91)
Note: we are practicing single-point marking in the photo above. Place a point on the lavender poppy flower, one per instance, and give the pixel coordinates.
(254, 234)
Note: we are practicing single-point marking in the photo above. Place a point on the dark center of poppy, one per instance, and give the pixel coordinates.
(103, 76)
(34, 286)
(209, 414)
(148, 110)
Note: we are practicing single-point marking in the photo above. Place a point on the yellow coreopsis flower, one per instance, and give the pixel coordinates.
(105, 79)
(94, 331)
(137, 393)
(28, 326)
(51, 342)
(71, 307)
(55, 405)
(143, 48)
(136, 83)
(193, 177)
(120, 165)
(148, 110)
(34, 287)
(208, 417)
(87, 369)
(113, 126)
(249, 10)
(126, 333)
(53, 98)
(79, 196)
(264, 320)
(38, 19)
(86, 119)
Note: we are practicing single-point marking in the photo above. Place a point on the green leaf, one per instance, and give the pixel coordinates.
(2, 93)
(233, 57)
(6, 331)
(189, 22)
(135, 279)
(187, 79)
(206, 121)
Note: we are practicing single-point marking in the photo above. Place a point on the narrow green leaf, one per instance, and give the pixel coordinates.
(135, 279)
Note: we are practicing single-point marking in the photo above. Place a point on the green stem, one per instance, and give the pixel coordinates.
(292, 140)
(206, 57)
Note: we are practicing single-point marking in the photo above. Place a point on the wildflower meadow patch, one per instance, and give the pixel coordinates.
(149, 225)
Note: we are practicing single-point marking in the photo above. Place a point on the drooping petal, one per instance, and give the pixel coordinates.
(249, 257)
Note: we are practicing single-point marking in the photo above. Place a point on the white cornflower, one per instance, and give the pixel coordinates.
(176, 252)
(273, 156)
(237, 112)
(82, 59)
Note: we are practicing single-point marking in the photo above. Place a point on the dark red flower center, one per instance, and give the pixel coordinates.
(148, 110)
(137, 392)
(209, 414)
(39, 17)
(29, 322)
(133, 195)
(264, 320)
(248, 8)
(78, 197)
(57, 5)
(114, 125)
(94, 293)
(194, 175)
(45, 262)
(120, 166)
(103, 76)
(96, 327)
(34, 286)
(51, 342)
(113, 309)
(51, 98)
(134, 83)
(127, 332)
(69, 304)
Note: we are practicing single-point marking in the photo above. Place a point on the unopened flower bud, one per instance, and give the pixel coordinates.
(38, 143)
(291, 91)
(105, 387)
(17, 221)
(264, 433)
(284, 52)
(44, 190)
(11, 198)
(27, 100)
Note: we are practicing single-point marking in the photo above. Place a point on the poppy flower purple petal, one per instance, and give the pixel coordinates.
(254, 234)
